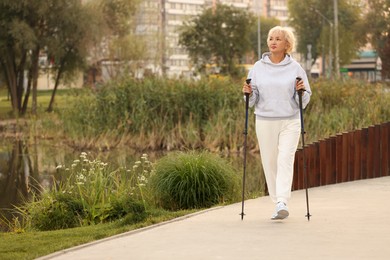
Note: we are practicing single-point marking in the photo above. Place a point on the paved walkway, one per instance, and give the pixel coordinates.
(349, 221)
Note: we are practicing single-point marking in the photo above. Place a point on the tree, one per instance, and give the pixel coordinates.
(123, 50)
(67, 49)
(27, 29)
(218, 36)
(378, 29)
(63, 31)
(312, 21)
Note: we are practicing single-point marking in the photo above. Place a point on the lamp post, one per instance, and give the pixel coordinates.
(330, 39)
(258, 8)
(336, 36)
(258, 38)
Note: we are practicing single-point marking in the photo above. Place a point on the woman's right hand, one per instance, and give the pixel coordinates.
(247, 88)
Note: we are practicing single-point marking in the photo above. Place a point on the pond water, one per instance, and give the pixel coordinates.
(30, 165)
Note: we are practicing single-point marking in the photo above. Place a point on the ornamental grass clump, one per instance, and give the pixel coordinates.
(90, 193)
(194, 180)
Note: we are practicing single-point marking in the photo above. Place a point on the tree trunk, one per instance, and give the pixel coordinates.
(20, 80)
(59, 74)
(10, 77)
(35, 74)
(27, 94)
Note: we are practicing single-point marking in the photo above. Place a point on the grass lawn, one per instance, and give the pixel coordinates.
(30, 245)
(43, 100)
(5, 104)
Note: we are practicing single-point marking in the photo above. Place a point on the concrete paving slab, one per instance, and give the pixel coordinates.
(349, 221)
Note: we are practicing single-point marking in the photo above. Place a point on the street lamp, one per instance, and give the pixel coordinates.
(336, 35)
(258, 7)
(330, 39)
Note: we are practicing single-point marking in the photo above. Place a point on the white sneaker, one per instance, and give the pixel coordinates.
(281, 211)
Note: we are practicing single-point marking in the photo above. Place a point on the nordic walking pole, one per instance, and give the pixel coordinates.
(248, 81)
(300, 93)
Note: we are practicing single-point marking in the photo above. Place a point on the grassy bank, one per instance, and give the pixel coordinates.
(31, 245)
(43, 100)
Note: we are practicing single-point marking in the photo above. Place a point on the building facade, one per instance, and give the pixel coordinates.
(277, 9)
(159, 22)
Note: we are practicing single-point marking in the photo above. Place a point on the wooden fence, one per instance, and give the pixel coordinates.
(361, 154)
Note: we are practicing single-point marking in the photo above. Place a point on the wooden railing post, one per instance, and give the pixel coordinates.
(328, 172)
(339, 157)
(344, 158)
(364, 153)
(357, 161)
(297, 170)
(385, 149)
(313, 165)
(377, 152)
(351, 155)
(322, 152)
(370, 153)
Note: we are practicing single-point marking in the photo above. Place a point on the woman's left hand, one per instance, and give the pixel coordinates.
(299, 85)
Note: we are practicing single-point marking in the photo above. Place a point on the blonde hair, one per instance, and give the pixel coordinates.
(288, 35)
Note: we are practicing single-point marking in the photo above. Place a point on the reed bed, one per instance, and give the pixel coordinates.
(162, 114)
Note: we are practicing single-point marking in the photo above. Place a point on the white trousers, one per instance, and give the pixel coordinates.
(278, 142)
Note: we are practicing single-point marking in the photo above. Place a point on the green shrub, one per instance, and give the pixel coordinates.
(128, 207)
(54, 211)
(194, 180)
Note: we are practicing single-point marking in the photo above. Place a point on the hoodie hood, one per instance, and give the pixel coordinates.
(265, 59)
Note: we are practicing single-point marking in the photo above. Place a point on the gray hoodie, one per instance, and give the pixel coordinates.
(274, 95)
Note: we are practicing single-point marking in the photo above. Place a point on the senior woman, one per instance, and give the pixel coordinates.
(274, 93)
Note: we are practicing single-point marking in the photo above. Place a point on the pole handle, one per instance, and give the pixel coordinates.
(300, 92)
(248, 81)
